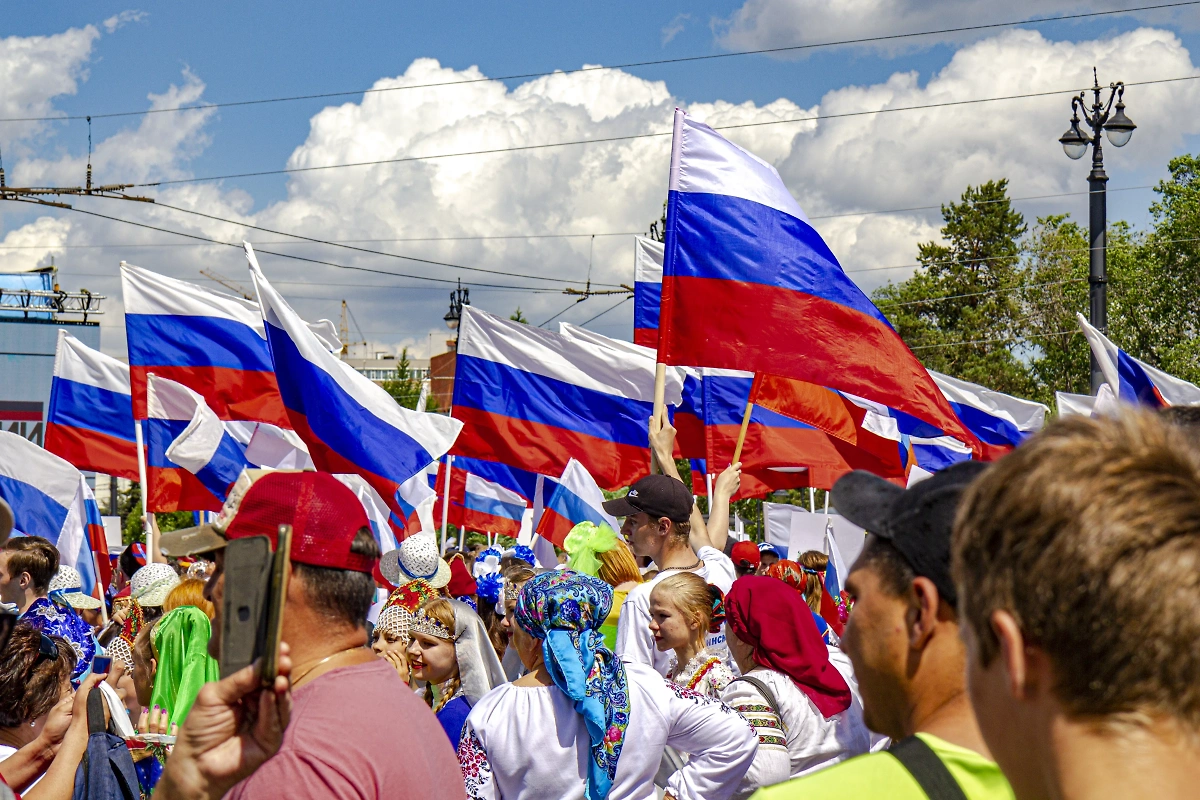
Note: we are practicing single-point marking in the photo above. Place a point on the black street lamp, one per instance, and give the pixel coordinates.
(1118, 128)
(458, 298)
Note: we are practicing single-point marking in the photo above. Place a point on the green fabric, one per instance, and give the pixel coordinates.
(180, 642)
(585, 541)
(609, 628)
(880, 775)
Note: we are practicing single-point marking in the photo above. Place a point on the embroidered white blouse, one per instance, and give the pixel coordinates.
(807, 741)
(706, 673)
(529, 743)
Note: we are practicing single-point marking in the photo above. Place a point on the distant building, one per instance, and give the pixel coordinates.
(386, 367)
(32, 309)
(441, 375)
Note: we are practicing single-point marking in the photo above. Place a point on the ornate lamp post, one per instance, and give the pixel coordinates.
(1099, 116)
(458, 298)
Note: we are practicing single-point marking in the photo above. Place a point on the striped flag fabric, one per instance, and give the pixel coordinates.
(1000, 421)
(1135, 381)
(50, 498)
(90, 418)
(534, 399)
(486, 496)
(575, 498)
(350, 424)
(191, 459)
(647, 290)
(749, 284)
(211, 342)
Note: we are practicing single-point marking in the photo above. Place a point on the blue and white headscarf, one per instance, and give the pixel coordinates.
(565, 609)
(59, 619)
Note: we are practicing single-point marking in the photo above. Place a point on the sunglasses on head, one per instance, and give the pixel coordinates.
(47, 649)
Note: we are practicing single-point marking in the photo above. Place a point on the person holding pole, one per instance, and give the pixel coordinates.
(662, 523)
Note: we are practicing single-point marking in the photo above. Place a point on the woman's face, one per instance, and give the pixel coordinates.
(431, 659)
(528, 648)
(672, 630)
(143, 678)
(387, 642)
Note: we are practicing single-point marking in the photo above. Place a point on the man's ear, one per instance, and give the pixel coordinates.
(664, 526)
(923, 616)
(24, 580)
(1026, 667)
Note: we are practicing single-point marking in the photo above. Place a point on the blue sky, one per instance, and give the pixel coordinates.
(246, 51)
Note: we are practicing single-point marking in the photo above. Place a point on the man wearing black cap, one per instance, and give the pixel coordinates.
(902, 638)
(658, 524)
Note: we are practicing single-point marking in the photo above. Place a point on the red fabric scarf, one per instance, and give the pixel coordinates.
(772, 617)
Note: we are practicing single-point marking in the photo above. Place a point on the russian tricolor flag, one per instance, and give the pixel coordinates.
(350, 424)
(749, 284)
(647, 290)
(1135, 381)
(90, 422)
(486, 496)
(50, 498)
(1000, 421)
(575, 498)
(191, 459)
(211, 342)
(533, 399)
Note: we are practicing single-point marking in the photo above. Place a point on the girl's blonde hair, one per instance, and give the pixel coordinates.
(813, 589)
(701, 602)
(189, 592)
(439, 609)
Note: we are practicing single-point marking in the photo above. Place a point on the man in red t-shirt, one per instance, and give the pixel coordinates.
(356, 730)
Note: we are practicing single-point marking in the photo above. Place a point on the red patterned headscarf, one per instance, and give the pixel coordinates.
(789, 572)
(773, 618)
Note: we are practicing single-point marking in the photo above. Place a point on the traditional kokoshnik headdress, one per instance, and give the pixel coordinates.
(430, 626)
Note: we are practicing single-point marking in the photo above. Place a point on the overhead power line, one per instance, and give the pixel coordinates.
(994, 341)
(627, 65)
(635, 136)
(293, 256)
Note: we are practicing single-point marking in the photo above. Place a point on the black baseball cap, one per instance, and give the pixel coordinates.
(917, 521)
(656, 495)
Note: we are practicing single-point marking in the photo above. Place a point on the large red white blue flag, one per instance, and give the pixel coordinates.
(349, 423)
(647, 290)
(90, 421)
(50, 498)
(749, 284)
(1134, 381)
(534, 399)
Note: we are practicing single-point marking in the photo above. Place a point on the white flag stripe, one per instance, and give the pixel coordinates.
(75, 361)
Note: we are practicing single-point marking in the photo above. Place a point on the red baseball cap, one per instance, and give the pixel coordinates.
(745, 554)
(324, 513)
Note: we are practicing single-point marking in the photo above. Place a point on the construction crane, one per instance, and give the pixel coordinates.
(344, 330)
(229, 283)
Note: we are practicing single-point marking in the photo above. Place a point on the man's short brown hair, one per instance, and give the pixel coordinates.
(1089, 535)
(34, 555)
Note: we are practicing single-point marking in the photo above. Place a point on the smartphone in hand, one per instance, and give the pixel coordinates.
(256, 579)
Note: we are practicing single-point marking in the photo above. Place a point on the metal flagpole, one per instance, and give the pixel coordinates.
(446, 503)
(812, 500)
(141, 454)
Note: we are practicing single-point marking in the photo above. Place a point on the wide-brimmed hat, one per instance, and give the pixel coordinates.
(152, 583)
(69, 582)
(417, 558)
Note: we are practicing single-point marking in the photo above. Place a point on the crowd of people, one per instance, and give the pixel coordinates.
(1023, 629)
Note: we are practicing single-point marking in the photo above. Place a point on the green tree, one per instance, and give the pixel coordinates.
(517, 316)
(131, 528)
(406, 388)
(958, 311)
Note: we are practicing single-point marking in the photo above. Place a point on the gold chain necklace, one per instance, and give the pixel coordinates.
(304, 674)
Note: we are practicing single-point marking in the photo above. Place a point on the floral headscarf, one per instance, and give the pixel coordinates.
(789, 572)
(565, 609)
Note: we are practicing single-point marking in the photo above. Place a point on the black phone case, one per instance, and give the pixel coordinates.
(243, 607)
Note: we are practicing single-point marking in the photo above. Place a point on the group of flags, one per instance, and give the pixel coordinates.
(743, 314)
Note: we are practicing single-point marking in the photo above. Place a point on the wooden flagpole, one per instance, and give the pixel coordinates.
(660, 402)
(741, 440)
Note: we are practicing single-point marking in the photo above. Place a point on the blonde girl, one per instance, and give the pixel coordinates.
(683, 611)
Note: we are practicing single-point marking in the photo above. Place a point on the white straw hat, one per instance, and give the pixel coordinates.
(152, 583)
(68, 581)
(417, 557)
